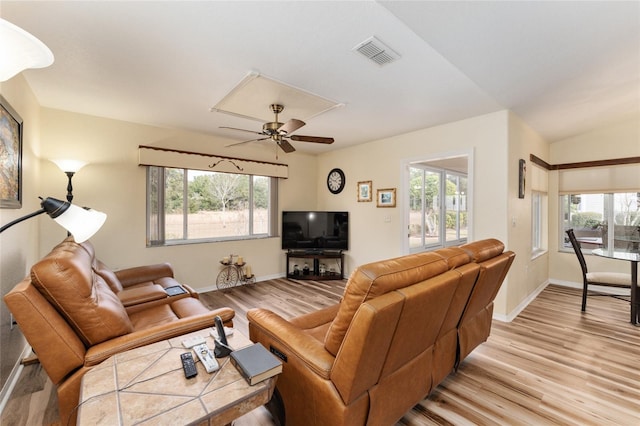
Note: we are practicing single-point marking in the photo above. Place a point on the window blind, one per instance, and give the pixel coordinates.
(619, 178)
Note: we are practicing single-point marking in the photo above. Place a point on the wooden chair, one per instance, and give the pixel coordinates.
(605, 279)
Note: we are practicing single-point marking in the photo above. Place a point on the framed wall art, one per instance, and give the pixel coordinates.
(10, 157)
(364, 191)
(386, 197)
(522, 174)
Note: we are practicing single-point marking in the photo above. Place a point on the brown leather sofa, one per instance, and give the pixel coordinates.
(75, 313)
(401, 327)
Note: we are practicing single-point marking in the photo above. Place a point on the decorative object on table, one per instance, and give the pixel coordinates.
(296, 270)
(81, 223)
(336, 181)
(305, 269)
(10, 156)
(20, 50)
(522, 173)
(256, 363)
(234, 272)
(386, 197)
(364, 191)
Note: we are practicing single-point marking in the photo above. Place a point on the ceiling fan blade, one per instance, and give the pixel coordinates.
(286, 146)
(250, 140)
(290, 126)
(316, 139)
(242, 130)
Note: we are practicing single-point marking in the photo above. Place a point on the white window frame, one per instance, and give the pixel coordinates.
(442, 241)
(539, 223)
(156, 228)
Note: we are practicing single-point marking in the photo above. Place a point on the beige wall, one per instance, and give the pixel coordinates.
(19, 244)
(113, 182)
(527, 275)
(620, 140)
(494, 190)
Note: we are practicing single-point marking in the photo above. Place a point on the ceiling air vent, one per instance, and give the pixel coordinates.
(377, 51)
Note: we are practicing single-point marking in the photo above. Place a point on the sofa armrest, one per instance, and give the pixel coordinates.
(291, 340)
(144, 294)
(100, 352)
(190, 290)
(316, 318)
(139, 274)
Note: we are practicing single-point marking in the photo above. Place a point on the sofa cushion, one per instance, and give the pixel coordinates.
(65, 277)
(108, 276)
(454, 256)
(483, 249)
(378, 278)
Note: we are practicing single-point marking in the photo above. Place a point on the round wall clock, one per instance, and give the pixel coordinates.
(336, 181)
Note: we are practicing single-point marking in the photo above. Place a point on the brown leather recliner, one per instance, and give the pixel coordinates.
(392, 338)
(73, 319)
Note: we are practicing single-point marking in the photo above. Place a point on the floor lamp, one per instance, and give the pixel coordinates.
(70, 168)
(80, 222)
(20, 50)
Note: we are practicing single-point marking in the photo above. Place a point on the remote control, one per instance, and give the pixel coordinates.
(194, 341)
(188, 365)
(206, 357)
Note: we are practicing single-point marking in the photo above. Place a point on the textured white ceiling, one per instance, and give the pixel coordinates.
(564, 67)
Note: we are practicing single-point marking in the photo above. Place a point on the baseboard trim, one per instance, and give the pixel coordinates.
(606, 290)
(571, 284)
(12, 380)
(258, 279)
(514, 313)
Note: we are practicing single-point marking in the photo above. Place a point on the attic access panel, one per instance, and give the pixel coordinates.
(252, 97)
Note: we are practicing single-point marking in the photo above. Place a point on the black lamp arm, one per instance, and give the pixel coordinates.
(10, 224)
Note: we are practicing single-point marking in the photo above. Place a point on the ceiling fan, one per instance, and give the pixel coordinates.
(280, 132)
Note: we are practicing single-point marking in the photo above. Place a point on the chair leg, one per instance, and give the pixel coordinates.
(584, 297)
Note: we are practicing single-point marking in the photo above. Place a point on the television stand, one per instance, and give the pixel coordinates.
(334, 267)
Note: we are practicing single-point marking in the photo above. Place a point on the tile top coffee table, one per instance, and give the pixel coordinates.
(147, 386)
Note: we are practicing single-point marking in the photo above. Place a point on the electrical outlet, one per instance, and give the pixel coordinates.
(387, 218)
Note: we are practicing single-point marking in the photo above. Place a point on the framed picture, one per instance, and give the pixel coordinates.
(10, 157)
(386, 197)
(522, 174)
(364, 191)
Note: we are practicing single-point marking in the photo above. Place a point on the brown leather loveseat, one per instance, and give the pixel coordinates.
(75, 313)
(401, 327)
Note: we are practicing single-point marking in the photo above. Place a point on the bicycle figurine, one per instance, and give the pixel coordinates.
(234, 273)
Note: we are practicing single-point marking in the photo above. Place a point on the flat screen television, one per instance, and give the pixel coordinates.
(315, 230)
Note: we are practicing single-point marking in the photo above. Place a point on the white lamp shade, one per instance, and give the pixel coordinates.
(81, 223)
(70, 165)
(20, 50)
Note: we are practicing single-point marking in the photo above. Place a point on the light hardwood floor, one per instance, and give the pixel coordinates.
(552, 365)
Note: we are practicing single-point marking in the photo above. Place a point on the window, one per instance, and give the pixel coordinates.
(435, 194)
(194, 206)
(610, 219)
(538, 223)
